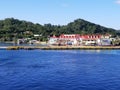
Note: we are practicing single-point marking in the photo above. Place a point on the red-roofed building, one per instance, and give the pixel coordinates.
(91, 39)
(69, 39)
(77, 39)
(53, 40)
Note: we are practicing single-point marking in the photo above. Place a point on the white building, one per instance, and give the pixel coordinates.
(77, 39)
(53, 40)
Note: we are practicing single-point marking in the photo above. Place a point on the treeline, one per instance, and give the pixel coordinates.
(11, 28)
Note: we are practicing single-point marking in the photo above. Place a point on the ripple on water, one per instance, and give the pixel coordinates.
(60, 70)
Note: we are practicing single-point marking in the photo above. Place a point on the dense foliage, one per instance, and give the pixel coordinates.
(11, 28)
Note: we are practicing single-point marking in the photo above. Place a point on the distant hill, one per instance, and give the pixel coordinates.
(10, 28)
(118, 32)
(84, 27)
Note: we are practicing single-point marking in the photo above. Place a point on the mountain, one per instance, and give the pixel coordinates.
(10, 28)
(84, 27)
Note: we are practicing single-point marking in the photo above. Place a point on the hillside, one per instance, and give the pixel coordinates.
(10, 28)
(85, 27)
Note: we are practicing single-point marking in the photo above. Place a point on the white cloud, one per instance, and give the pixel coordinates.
(118, 1)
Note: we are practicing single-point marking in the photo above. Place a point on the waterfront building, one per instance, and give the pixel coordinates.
(53, 40)
(77, 39)
(69, 39)
(22, 41)
(91, 39)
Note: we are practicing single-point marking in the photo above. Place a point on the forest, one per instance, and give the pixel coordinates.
(11, 28)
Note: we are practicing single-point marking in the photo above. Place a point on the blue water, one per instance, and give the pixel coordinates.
(60, 70)
(2, 44)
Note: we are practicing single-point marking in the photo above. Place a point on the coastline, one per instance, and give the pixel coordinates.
(62, 47)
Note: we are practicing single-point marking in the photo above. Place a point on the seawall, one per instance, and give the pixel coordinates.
(62, 47)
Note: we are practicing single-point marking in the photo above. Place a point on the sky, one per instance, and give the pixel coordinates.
(62, 12)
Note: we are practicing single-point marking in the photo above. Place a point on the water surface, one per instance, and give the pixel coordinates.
(60, 70)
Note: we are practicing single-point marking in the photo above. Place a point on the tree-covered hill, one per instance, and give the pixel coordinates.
(10, 28)
(84, 27)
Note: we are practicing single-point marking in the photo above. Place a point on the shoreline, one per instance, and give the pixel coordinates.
(61, 47)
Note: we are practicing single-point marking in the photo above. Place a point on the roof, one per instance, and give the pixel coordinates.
(77, 36)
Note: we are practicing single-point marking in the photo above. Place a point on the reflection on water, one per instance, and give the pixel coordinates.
(6, 44)
(12, 44)
(60, 70)
(89, 51)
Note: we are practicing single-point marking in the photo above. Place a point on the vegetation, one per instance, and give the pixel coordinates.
(11, 28)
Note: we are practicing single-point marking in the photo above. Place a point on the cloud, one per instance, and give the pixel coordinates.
(118, 1)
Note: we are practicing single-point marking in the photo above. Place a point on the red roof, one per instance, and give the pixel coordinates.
(69, 36)
(91, 37)
(54, 37)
